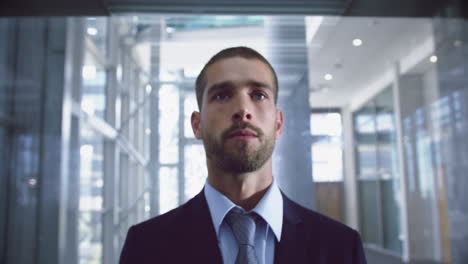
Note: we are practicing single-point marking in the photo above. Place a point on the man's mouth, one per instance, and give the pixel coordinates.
(242, 134)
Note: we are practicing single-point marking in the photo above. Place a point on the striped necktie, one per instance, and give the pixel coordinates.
(243, 228)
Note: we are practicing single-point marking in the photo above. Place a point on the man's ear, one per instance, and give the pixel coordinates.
(196, 124)
(279, 123)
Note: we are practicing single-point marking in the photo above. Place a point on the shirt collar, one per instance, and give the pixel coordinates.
(270, 207)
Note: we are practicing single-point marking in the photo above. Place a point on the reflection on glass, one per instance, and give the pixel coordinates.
(195, 169)
(427, 124)
(3, 185)
(90, 203)
(388, 171)
(366, 159)
(366, 142)
(148, 134)
(94, 86)
(146, 205)
(377, 168)
(5, 98)
(432, 107)
(93, 104)
(179, 23)
(168, 189)
(96, 31)
(169, 124)
(5, 105)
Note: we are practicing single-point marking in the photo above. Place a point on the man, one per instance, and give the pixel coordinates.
(240, 216)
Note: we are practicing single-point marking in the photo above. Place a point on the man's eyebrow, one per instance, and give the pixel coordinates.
(260, 84)
(230, 84)
(219, 86)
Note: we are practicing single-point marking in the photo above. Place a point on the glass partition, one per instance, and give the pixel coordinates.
(91, 202)
(367, 171)
(5, 124)
(387, 159)
(377, 166)
(3, 185)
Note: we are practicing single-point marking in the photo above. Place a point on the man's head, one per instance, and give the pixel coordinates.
(238, 120)
(242, 52)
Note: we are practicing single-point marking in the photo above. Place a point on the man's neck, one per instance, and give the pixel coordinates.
(245, 189)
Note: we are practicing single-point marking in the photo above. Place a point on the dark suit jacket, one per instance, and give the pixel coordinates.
(186, 235)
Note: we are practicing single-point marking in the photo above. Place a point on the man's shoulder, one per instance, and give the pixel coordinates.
(323, 237)
(319, 224)
(162, 234)
(162, 222)
(166, 222)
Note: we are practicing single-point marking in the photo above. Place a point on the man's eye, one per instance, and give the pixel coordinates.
(221, 97)
(258, 96)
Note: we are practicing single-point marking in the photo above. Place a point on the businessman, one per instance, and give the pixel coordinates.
(240, 216)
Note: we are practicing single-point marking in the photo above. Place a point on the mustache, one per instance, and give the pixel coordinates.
(241, 125)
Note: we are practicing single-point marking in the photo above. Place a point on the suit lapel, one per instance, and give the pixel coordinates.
(203, 243)
(292, 245)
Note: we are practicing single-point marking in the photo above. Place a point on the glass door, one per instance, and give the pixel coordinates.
(377, 169)
(368, 178)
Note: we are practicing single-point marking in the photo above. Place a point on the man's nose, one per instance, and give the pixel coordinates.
(242, 115)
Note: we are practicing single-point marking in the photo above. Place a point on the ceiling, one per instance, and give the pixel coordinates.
(326, 48)
(382, 8)
(190, 50)
(385, 42)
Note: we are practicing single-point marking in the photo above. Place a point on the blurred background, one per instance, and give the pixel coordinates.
(95, 105)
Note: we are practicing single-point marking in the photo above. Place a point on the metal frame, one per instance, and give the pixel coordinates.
(111, 157)
(124, 160)
(402, 164)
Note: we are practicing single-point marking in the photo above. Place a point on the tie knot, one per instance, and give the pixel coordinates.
(242, 225)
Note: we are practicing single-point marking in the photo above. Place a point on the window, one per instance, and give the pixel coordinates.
(327, 149)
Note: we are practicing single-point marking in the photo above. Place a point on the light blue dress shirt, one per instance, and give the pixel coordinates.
(267, 231)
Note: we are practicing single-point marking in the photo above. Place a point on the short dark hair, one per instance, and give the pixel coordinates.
(243, 52)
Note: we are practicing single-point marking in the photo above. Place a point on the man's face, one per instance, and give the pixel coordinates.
(239, 122)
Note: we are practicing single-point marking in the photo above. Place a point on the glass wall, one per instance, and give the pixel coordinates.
(93, 98)
(427, 124)
(377, 168)
(366, 156)
(95, 132)
(91, 205)
(5, 126)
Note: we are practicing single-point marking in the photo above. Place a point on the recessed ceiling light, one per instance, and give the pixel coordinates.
(148, 88)
(457, 43)
(32, 182)
(92, 31)
(357, 42)
(433, 59)
(328, 77)
(99, 183)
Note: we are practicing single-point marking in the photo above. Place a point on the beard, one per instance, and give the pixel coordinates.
(239, 156)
